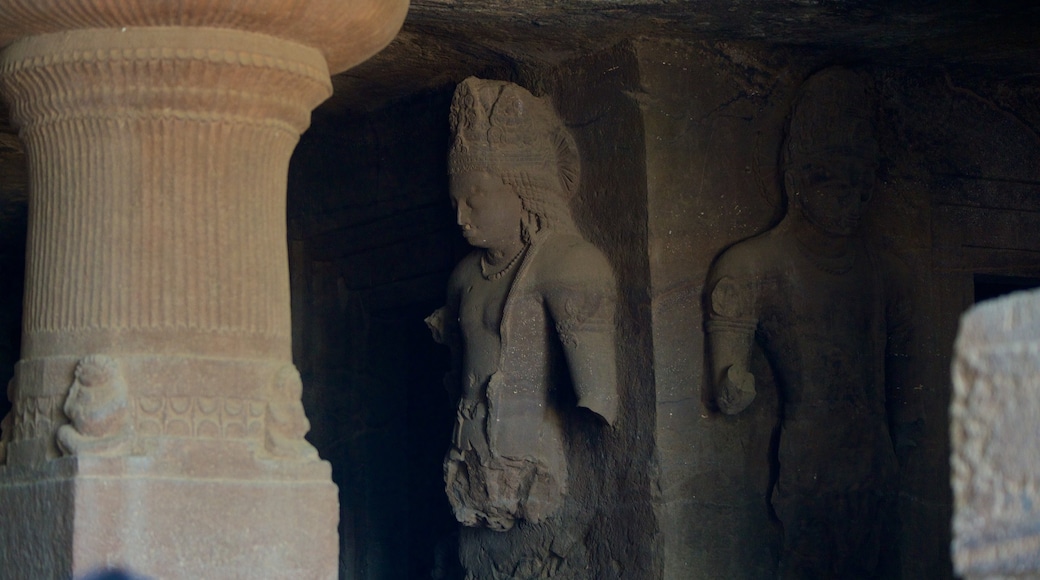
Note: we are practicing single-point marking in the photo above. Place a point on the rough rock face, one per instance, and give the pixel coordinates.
(443, 39)
(995, 426)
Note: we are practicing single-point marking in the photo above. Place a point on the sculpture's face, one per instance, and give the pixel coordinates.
(832, 191)
(487, 210)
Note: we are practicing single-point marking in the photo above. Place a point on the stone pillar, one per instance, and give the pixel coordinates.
(994, 429)
(157, 422)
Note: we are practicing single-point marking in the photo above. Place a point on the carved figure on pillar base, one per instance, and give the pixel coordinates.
(97, 406)
(529, 311)
(287, 423)
(833, 319)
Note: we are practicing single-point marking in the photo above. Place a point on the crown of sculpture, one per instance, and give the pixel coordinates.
(833, 115)
(500, 127)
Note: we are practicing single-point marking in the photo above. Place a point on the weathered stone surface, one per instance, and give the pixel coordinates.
(994, 426)
(225, 518)
(834, 324)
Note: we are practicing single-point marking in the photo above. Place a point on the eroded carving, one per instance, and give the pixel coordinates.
(833, 319)
(99, 410)
(287, 423)
(532, 295)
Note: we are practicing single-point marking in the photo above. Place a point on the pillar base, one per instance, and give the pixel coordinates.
(229, 518)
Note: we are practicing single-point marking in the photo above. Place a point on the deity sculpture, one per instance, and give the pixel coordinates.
(833, 320)
(530, 310)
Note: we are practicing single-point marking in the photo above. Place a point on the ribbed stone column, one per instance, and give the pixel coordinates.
(157, 422)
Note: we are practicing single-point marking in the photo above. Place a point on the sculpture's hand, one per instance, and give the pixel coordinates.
(736, 390)
(437, 322)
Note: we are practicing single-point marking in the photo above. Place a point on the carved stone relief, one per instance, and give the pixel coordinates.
(99, 410)
(534, 301)
(286, 422)
(96, 415)
(232, 418)
(833, 320)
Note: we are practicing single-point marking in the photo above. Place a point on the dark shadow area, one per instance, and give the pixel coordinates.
(988, 286)
(13, 220)
(372, 242)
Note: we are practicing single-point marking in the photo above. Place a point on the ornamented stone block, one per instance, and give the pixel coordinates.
(995, 427)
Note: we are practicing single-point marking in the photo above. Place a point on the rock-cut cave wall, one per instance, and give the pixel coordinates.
(680, 144)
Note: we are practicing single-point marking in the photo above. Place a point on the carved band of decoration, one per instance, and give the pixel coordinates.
(201, 417)
(33, 417)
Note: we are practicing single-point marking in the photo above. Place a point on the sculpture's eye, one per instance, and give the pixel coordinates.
(818, 175)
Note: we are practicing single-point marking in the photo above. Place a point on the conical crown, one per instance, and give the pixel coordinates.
(834, 115)
(500, 128)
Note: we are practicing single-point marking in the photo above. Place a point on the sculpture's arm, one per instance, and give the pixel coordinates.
(730, 352)
(581, 295)
(444, 326)
(730, 336)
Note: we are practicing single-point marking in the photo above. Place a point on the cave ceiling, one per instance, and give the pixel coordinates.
(445, 40)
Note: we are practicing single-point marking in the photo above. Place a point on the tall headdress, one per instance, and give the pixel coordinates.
(833, 114)
(501, 128)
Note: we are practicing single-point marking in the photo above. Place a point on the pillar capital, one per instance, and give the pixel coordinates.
(347, 32)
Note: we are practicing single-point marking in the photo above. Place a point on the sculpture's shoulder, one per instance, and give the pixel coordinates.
(464, 272)
(754, 257)
(742, 276)
(569, 259)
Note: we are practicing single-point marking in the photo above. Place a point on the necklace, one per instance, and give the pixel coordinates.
(835, 266)
(501, 272)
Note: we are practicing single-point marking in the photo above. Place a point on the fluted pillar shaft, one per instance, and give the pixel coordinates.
(158, 162)
(157, 421)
